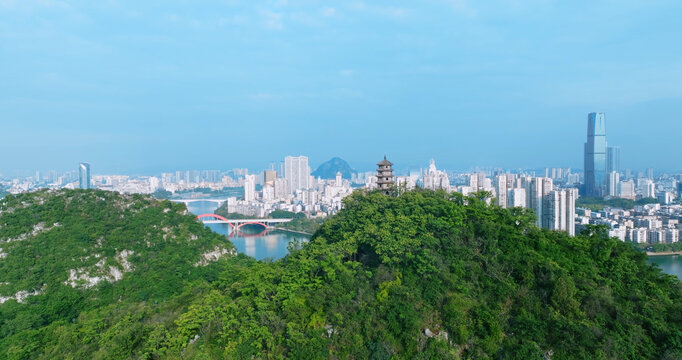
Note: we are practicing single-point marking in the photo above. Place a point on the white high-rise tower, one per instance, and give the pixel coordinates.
(297, 172)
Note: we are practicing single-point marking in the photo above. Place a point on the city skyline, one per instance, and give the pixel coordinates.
(227, 83)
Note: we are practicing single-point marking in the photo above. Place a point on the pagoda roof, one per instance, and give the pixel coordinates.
(384, 162)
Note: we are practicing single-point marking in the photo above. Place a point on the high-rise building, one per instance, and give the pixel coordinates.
(385, 175)
(269, 177)
(434, 179)
(517, 197)
(84, 175)
(595, 155)
(646, 188)
(613, 159)
(626, 189)
(613, 178)
(571, 197)
(501, 188)
(297, 172)
(650, 173)
(281, 188)
(536, 189)
(250, 187)
(559, 210)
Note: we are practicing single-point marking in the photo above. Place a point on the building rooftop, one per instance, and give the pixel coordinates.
(385, 162)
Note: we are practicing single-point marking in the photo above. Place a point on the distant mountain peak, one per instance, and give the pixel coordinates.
(328, 169)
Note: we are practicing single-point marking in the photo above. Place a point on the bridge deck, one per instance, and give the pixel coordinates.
(249, 221)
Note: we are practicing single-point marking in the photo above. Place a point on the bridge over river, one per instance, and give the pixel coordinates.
(189, 201)
(237, 223)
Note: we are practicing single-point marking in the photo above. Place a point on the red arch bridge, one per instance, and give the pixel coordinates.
(238, 223)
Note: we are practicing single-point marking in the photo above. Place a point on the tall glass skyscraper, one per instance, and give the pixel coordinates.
(595, 155)
(613, 159)
(84, 175)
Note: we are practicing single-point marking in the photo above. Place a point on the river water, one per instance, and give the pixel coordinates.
(670, 264)
(250, 240)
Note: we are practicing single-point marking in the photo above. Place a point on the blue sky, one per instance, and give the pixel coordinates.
(148, 86)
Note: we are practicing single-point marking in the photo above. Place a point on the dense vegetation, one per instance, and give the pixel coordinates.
(426, 275)
(162, 194)
(661, 247)
(80, 251)
(304, 225)
(597, 204)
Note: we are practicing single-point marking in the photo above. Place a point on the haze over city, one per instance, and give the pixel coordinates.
(143, 88)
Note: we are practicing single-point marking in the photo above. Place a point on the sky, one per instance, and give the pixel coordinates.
(150, 86)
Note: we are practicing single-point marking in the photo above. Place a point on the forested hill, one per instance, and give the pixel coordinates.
(68, 251)
(331, 167)
(426, 275)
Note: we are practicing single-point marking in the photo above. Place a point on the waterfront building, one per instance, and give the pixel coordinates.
(595, 155)
(672, 235)
(297, 172)
(385, 175)
(84, 175)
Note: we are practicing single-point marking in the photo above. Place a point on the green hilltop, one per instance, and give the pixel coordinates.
(424, 275)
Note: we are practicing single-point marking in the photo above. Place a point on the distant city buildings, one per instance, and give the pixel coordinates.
(434, 179)
(552, 197)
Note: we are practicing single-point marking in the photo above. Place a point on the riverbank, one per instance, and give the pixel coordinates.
(293, 231)
(663, 253)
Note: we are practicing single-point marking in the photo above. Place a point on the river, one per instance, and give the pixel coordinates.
(250, 240)
(670, 264)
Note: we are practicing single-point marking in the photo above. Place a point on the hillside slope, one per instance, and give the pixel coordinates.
(426, 275)
(63, 252)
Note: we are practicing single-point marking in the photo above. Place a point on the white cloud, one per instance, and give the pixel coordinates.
(392, 12)
(461, 7)
(328, 11)
(233, 20)
(33, 4)
(272, 20)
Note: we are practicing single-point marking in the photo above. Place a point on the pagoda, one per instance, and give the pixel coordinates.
(385, 175)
